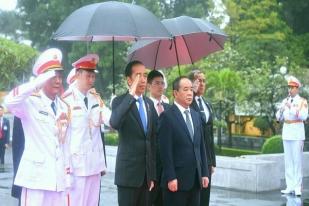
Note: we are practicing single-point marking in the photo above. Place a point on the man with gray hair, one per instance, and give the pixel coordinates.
(204, 108)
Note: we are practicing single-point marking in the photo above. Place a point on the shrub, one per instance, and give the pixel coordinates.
(111, 138)
(261, 123)
(273, 145)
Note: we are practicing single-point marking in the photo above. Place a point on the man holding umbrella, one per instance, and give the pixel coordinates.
(132, 116)
(86, 148)
(202, 106)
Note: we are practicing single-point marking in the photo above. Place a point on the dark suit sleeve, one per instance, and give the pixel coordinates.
(7, 132)
(212, 144)
(203, 156)
(166, 147)
(120, 107)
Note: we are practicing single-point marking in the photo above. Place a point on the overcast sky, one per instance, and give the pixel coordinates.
(8, 5)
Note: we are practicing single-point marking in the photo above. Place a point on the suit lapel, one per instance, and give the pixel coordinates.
(148, 111)
(195, 123)
(137, 117)
(181, 120)
(209, 109)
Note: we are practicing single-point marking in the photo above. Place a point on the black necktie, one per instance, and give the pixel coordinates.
(86, 102)
(200, 105)
(53, 106)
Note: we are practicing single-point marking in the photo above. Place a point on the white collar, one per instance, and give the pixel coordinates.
(155, 101)
(181, 108)
(46, 99)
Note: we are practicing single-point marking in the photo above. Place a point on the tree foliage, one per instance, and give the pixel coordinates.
(15, 63)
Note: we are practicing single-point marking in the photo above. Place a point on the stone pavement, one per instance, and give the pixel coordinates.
(219, 196)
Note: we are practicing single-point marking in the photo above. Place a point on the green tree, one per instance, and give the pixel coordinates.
(226, 88)
(15, 63)
(10, 25)
(260, 35)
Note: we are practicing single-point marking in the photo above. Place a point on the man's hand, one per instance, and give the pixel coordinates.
(205, 182)
(62, 117)
(151, 185)
(196, 85)
(173, 185)
(103, 173)
(133, 86)
(212, 169)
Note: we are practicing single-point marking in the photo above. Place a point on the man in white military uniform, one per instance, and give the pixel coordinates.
(293, 112)
(88, 113)
(70, 81)
(43, 166)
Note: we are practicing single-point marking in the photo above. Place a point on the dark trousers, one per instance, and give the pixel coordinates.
(156, 196)
(205, 192)
(133, 196)
(183, 198)
(2, 152)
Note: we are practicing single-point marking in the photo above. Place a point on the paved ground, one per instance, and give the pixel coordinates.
(219, 196)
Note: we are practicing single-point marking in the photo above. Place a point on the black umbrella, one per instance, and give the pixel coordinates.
(111, 21)
(193, 39)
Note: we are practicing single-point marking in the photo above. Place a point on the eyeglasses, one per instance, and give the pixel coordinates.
(158, 83)
(291, 87)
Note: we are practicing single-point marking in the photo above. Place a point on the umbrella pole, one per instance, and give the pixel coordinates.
(113, 65)
(176, 52)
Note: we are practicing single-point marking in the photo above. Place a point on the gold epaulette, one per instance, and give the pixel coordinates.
(35, 94)
(66, 95)
(98, 97)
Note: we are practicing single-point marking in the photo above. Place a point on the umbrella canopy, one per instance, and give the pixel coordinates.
(111, 21)
(193, 39)
(108, 21)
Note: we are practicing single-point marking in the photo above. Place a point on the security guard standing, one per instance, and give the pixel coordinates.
(204, 108)
(293, 112)
(44, 165)
(86, 148)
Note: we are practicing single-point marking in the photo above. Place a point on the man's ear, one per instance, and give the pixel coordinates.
(175, 92)
(129, 81)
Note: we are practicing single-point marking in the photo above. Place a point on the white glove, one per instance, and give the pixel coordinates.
(42, 78)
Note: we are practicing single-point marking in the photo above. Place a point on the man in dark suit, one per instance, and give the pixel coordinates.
(155, 85)
(133, 117)
(4, 135)
(18, 143)
(182, 149)
(202, 106)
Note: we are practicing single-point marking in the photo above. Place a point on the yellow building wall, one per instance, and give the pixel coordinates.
(244, 126)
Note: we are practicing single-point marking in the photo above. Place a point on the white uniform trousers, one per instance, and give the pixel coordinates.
(85, 191)
(30, 197)
(293, 158)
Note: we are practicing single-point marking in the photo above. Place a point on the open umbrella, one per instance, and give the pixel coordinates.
(193, 39)
(111, 21)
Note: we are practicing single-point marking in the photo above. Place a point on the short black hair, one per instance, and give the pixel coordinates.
(193, 73)
(130, 65)
(176, 82)
(153, 74)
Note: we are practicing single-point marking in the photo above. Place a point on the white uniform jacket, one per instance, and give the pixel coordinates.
(42, 165)
(293, 111)
(86, 145)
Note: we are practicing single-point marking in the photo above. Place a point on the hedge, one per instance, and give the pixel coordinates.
(273, 145)
(111, 138)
